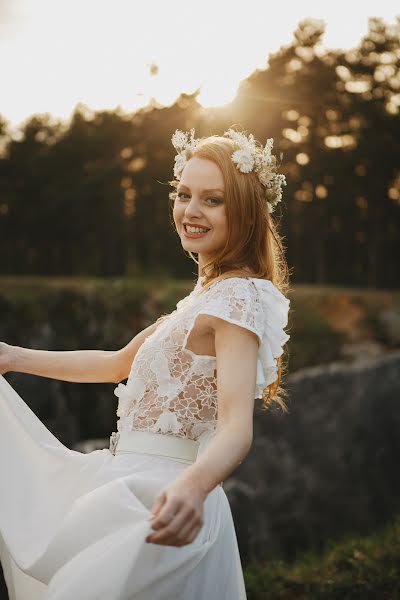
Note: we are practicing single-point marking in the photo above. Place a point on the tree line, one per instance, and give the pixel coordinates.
(90, 196)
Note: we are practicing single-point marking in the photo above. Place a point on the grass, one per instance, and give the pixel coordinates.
(363, 568)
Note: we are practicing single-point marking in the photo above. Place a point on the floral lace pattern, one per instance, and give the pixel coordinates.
(170, 389)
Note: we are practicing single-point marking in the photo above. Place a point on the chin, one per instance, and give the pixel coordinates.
(195, 244)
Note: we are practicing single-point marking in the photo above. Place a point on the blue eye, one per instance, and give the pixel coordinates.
(215, 200)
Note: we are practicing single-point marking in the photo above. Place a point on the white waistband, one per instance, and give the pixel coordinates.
(160, 444)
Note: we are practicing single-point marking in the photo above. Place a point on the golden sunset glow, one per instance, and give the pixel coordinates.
(123, 53)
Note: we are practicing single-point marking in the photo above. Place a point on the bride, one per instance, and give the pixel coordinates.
(147, 518)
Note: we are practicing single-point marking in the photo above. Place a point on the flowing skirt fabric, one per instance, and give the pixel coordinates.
(73, 525)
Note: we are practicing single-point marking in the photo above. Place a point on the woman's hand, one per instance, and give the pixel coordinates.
(7, 357)
(177, 514)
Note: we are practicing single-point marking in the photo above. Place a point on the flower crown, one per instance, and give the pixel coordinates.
(247, 156)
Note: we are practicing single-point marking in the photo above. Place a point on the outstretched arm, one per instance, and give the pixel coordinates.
(81, 366)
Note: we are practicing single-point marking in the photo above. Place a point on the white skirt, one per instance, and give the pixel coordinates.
(73, 525)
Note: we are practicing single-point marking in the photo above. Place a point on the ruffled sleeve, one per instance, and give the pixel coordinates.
(235, 300)
(275, 307)
(257, 305)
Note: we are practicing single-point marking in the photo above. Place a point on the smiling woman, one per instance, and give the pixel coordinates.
(209, 224)
(148, 516)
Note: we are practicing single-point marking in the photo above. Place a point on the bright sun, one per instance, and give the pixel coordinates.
(123, 53)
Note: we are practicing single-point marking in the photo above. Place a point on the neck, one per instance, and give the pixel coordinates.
(203, 260)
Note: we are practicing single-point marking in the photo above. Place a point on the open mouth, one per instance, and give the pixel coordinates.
(194, 233)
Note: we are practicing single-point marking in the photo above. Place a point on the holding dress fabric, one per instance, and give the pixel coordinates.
(76, 525)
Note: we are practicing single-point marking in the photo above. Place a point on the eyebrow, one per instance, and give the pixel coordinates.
(204, 191)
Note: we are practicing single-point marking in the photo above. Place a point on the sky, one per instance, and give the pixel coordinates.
(55, 54)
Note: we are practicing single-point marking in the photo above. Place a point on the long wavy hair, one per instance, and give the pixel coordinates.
(253, 241)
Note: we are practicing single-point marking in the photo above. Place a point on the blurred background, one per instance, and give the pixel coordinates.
(90, 95)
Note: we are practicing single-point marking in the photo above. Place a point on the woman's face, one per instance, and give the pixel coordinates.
(200, 203)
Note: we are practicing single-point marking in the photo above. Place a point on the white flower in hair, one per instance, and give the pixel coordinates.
(267, 152)
(180, 162)
(179, 139)
(243, 159)
(185, 147)
(246, 155)
(241, 139)
(265, 176)
(274, 188)
(249, 157)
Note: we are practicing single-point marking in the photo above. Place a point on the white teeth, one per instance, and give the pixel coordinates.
(195, 229)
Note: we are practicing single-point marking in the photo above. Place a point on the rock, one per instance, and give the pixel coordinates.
(326, 469)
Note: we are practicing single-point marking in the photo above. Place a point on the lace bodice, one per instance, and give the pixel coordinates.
(170, 389)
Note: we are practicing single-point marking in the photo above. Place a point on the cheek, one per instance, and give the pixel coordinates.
(176, 213)
(221, 221)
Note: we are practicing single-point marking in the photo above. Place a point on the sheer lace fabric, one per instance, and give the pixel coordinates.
(170, 389)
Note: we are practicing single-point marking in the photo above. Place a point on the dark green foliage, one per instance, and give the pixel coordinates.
(57, 312)
(314, 341)
(91, 198)
(355, 569)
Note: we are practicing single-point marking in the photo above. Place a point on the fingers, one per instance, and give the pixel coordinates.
(189, 533)
(181, 529)
(159, 503)
(178, 539)
(174, 516)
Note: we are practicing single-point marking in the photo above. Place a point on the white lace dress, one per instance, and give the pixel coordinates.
(73, 525)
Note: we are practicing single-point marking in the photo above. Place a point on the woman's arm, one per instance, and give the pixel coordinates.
(177, 515)
(236, 352)
(81, 366)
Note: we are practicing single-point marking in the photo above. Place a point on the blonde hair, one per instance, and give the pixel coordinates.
(252, 241)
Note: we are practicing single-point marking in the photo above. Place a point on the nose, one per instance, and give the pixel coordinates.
(192, 208)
